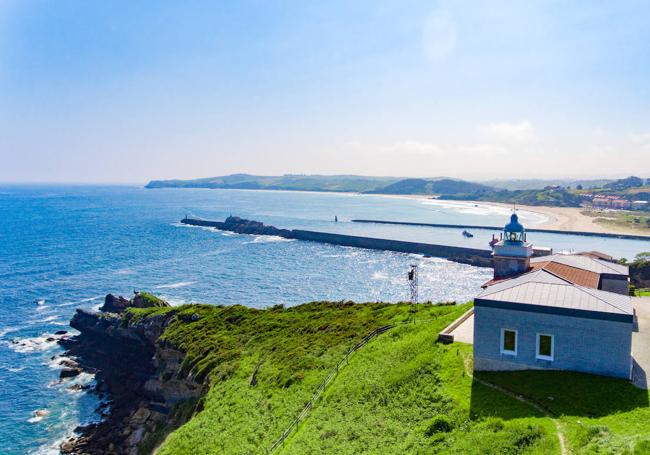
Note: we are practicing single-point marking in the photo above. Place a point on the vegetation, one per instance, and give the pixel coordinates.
(152, 300)
(286, 353)
(401, 393)
(630, 220)
(556, 197)
(437, 187)
(379, 185)
(598, 414)
(405, 393)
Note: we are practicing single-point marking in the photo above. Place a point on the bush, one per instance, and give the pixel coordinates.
(494, 424)
(642, 447)
(526, 436)
(439, 424)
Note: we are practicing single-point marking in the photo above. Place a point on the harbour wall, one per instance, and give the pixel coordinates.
(471, 256)
(500, 228)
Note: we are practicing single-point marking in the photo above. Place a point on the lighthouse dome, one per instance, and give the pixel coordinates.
(514, 225)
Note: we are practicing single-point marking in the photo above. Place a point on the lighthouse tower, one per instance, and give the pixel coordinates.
(511, 255)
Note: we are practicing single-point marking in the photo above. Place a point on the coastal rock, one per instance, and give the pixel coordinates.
(119, 304)
(70, 372)
(141, 376)
(113, 304)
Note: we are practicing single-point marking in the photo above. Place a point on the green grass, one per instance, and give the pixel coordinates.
(629, 220)
(404, 393)
(291, 349)
(599, 414)
(401, 393)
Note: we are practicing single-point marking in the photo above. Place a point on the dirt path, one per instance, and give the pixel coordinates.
(523, 399)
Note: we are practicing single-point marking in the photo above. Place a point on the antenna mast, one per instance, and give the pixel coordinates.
(413, 283)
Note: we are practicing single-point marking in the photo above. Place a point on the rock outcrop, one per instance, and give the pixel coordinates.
(113, 304)
(139, 375)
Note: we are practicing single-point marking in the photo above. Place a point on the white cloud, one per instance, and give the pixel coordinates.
(510, 133)
(438, 35)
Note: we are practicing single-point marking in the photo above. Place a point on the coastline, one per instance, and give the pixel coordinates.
(556, 218)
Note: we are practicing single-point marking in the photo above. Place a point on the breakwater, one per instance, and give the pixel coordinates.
(472, 256)
(500, 228)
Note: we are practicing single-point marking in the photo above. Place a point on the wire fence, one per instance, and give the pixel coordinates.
(333, 373)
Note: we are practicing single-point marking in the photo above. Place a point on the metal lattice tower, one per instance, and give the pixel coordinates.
(413, 283)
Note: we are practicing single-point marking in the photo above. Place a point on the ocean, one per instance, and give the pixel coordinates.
(66, 247)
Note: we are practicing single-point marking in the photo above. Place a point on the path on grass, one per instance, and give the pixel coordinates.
(523, 399)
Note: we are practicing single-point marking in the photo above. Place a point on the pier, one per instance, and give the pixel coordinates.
(500, 228)
(472, 256)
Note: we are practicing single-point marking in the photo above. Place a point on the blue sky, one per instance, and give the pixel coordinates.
(127, 91)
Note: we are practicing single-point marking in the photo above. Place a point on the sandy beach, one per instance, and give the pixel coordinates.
(559, 218)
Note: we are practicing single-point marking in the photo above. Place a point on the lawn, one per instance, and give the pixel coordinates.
(405, 393)
(599, 414)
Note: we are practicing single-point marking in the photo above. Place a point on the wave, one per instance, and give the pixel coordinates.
(38, 415)
(180, 284)
(45, 342)
(77, 302)
(7, 330)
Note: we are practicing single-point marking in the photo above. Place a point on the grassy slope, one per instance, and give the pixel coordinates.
(405, 394)
(400, 393)
(600, 415)
(295, 349)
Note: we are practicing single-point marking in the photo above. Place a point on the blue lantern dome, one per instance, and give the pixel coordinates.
(514, 225)
(514, 231)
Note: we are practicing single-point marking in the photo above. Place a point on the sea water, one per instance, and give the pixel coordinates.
(66, 247)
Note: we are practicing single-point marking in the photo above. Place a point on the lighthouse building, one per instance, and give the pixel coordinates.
(559, 312)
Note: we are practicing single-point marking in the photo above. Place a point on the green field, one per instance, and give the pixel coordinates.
(401, 393)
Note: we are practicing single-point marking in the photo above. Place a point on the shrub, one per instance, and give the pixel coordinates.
(526, 436)
(439, 424)
(494, 424)
(642, 447)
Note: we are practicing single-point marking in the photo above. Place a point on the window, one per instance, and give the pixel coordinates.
(508, 342)
(545, 346)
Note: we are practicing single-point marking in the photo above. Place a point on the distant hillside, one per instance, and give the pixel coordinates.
(550, 197)
(424, 186)
(538, 184)
(340, 183)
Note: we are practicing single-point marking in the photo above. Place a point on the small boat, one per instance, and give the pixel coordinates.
(468, 234)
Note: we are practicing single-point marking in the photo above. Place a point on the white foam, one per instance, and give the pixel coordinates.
(180, 284)
(38, 415)
(34, 344)
(7, 330)
(269, 239)
(77, 302)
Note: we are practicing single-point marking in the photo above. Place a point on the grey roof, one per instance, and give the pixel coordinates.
(543, 289)
(586, 263)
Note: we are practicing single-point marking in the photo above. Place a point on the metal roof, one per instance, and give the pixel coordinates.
(544, 289)
(589, 263)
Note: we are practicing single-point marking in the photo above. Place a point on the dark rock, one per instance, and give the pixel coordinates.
(69, 372)
(60, 332)
(114, 304)
(140, 376)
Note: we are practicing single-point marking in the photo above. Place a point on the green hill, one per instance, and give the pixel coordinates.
(340, 183)
(401, 393)
(437, 187)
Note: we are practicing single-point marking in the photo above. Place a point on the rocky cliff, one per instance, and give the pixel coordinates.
(140, 375)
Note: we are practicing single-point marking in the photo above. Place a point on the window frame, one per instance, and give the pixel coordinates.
(539, 356)
(503, 336)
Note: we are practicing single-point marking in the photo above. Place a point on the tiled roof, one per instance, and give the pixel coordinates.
(584, 262)
(541, 288)
(572, 274)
